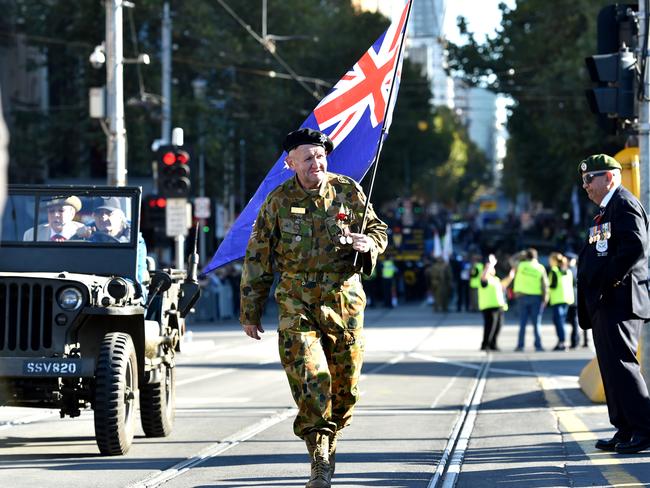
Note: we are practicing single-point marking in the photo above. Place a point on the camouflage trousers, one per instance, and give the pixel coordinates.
(320, 340)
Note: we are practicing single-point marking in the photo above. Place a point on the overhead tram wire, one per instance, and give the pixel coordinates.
(261, 41)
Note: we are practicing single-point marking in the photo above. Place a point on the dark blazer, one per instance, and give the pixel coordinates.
(615, 274)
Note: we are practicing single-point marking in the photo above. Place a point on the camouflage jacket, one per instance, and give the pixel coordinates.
(299, 231)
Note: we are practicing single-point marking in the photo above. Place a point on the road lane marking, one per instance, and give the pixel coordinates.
(612, 464)
(205, 376)
(29, 419)
(358, 412)
(215, 449)
(444, 391)
(381, 367)
(435, 359)
(454, 451)
(201, 401)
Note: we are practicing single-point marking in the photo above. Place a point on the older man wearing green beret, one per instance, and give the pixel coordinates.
(613, 299)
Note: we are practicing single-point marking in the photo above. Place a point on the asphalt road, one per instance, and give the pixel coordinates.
(435, 411)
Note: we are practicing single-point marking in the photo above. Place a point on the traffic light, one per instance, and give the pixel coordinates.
(613, 69)
(614, 75)
(173, 172)
(152, 222)
(617, 25)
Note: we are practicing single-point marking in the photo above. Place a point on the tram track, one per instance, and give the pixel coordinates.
(448, 469)
(185, 466)
(415, 423)
(450, 461)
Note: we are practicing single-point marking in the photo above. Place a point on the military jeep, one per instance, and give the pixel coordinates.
(84, 322)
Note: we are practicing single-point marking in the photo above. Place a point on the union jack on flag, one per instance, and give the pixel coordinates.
(355, 114)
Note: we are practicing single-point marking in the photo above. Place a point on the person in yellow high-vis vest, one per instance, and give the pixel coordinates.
(474, 282)
(388, 272)
(492, 302)
(531, 290)
(561, 294)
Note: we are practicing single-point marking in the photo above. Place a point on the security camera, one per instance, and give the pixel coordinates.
(97, 57)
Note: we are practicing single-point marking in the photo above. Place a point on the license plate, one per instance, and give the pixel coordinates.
(52, 367)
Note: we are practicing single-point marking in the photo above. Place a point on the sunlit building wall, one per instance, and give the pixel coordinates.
(425, 41)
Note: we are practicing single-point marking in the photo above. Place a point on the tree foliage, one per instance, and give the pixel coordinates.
(537, 58)
(244, 106)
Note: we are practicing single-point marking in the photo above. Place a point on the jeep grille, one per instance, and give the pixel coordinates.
(25, 316)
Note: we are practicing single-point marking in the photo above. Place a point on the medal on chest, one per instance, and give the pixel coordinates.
(600, 234)
(343, 221)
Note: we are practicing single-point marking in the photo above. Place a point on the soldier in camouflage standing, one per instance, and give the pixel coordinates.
(309, 230)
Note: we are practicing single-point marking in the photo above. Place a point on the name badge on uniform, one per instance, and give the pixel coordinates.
(298, 210)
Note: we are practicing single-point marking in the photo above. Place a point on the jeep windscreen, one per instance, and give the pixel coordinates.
(80, 218)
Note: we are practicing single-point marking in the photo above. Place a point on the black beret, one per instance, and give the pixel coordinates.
(598, 162)
(307, 136)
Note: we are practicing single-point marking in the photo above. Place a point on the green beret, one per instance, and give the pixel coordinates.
(307, 136)
(598, 162)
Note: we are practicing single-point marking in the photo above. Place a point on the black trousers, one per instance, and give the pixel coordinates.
(462, 292)
(616, 344)
(492, 321)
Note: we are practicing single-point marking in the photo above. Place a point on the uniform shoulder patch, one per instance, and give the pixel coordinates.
(343, 179)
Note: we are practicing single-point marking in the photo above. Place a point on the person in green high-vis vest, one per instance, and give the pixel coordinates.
(561, 294)
(531, 290)
(492, 302)
(474, 282)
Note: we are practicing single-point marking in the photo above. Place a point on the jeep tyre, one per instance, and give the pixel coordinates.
(116, 388)
(158, 404)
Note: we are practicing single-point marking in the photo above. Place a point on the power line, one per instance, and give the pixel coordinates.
(265, 45)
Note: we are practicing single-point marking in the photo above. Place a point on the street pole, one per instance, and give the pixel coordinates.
(644, 159)
(199, 86)
(242, 174)
(166, 79)
(4, 160)
(201, 189)
(116, 157)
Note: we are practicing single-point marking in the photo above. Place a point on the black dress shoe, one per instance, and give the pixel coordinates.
(638, 443)
(610, 444)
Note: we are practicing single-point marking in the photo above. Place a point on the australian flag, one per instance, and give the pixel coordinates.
(355, 114)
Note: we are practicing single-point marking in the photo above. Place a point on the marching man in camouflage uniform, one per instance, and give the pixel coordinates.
(308, 230)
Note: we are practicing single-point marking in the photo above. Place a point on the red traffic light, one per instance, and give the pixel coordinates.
(159, 202)
(173, 173)
(182, 157)
(169, 158)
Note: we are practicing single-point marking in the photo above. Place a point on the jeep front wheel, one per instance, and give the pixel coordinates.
(116, 388)
(158, 404)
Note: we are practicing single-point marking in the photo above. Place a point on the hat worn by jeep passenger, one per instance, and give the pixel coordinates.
(110, 203)
(72, 201)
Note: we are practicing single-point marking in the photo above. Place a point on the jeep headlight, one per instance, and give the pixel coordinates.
(70, 299)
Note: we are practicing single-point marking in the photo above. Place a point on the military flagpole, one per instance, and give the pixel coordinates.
(384, 130)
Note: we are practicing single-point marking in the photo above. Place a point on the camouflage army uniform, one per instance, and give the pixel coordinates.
(320, 297)
(440, 280)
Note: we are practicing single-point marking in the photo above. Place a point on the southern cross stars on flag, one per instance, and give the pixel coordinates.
(355, 114)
